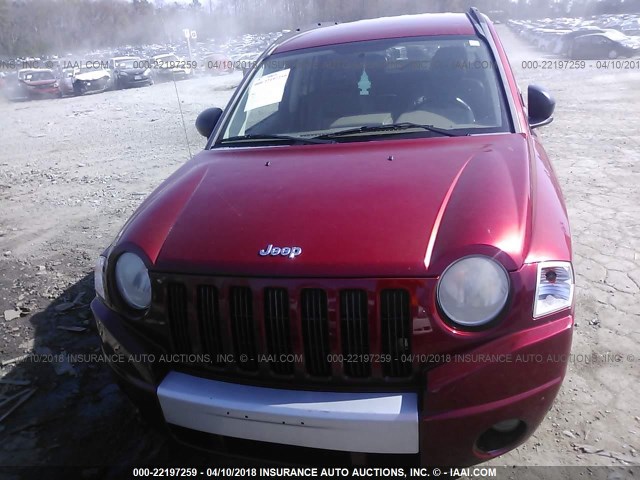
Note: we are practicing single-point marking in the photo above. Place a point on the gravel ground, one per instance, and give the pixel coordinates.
(73, 170)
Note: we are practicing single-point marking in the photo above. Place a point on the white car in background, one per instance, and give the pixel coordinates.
(169, 66)
(87, 79)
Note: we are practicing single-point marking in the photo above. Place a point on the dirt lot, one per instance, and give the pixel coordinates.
(73, 170)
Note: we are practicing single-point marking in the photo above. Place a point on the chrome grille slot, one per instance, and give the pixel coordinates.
(209, 321)
(315, 332)
(242, 326)
(178, 320)
(276, 322)
(354, 328)
(396, 338)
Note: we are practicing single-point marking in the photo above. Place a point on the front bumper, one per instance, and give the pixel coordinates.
(168, 75)
(328, 420)
(87, 86)
(134, 81)
(514, 377)
(37, 92)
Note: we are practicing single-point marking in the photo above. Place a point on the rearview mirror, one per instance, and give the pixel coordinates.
(540, 106)
(206, 121)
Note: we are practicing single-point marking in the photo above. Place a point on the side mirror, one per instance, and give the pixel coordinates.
(540, 106)
(206, 121)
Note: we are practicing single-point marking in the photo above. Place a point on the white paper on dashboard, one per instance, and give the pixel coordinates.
(267, 90)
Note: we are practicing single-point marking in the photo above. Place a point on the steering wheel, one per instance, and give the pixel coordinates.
(466, 106)
(428, 103)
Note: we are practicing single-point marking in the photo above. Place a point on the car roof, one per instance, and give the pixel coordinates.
(380, 28)
(615, 36)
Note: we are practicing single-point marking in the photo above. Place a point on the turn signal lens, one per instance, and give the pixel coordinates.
(554, 290)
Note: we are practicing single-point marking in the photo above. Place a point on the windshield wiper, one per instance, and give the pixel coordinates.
(301, 140)
(393, 127)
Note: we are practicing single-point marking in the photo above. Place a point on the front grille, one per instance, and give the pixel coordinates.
(276, 322)
(396, 335)
(209, 321)
(177, 309)
(311, 333)
(242, 325)
(355, 332)
(315, 332)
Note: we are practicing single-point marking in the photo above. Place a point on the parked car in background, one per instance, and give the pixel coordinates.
(246, 61)
(88, 79)
(217, 64)
(356, 261)
(66, 79)
(546, 39)
(130, 72)
(38, 83)
(631, 27)
(11, 88)
(603, 45)
(169, 66)
(564, 43)
(614, 35)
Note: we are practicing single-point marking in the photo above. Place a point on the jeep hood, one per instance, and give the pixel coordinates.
(396, 208)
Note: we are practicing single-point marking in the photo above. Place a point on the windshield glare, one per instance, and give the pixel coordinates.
(446, 82)
(38, 76)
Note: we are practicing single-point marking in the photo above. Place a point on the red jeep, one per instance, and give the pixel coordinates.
(370, 260)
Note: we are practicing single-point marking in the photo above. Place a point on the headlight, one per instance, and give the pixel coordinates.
(132, 280)
(147, 72)
(98, 277)
(473, 290)
(554, 288)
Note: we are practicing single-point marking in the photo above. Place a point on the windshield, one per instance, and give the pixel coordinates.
(38, 76)
(616, 35)
(446, 82)
(165, 60)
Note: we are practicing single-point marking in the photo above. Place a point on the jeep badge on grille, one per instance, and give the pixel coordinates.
(291, 252)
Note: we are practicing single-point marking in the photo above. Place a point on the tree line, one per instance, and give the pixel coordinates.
(40, 27)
